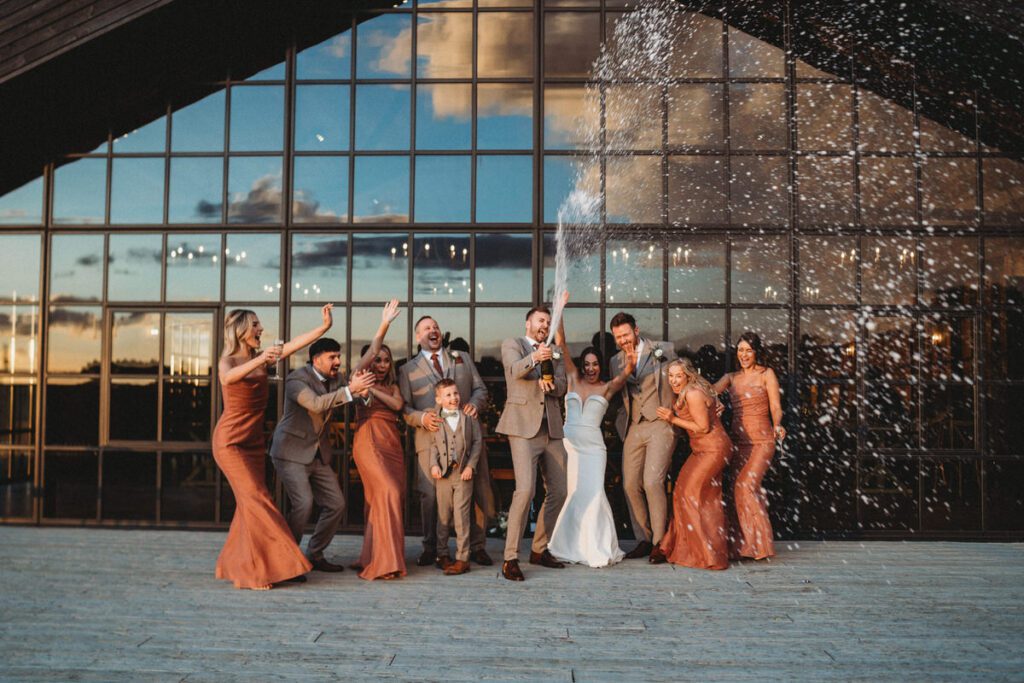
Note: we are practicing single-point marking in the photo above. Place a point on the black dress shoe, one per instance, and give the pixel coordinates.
(481, 557)
(657, 556)
(511, 571)
(427, 558)
(545, 559)
(324, 565)
(301, 578)
(642, 549)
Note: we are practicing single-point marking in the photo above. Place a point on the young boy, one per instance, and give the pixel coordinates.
(454, 455)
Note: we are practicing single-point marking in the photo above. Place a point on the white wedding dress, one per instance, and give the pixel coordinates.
(585, 530)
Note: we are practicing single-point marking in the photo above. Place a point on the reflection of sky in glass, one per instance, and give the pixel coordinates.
(380, 267)
(504, 189)
(321, 117)
(76, 268)
(753, 58)
(381, 189)
(188, 343)
(135, 342)
(828, 270)
(757, 116)
(384, 47)
(444, 45)
(253, 263)
(365, 321)
(759, 189)
(19, 267)
(24, 205)
(559, 177)
(571, 43)
(306, 318)
(137, 191)
(151, 137)
(79, 190)
(493, 326)
(199, 127)
(442, 189)
(330, 59)
(19, 339)
(270, 318)
(760, 270)
(382, 117)
(133, 267)
(504, 267)
(634, 269)
(691, 328)
(441, 268)
(254, 189)
(257, 118)
(633, 189)
(272, 73)
(696, 270)
(695, 115)
(443, 116)
(584, 276)
(505, 44)
(504, 116)
(319, 268)
(771, 325)
(453, 321)
(697, 189)
(581, 324)
(195, 191)
(567, 112)
(193, 267)
(320, 190)
(73, 339)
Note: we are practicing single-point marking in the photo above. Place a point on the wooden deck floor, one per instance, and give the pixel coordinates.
(112, 605)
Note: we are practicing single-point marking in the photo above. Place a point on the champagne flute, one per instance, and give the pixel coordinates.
(278, 366)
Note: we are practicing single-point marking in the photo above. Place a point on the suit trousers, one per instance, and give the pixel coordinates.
(646, 456)
(526, 455)
(305, 485)
(483, 502)
(454, 506)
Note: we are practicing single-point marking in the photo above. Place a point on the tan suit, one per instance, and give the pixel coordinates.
(533, 422)
(416, 381)
(648, 442)
(453, 451)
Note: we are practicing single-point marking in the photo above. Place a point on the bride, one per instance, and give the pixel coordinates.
(585, 530)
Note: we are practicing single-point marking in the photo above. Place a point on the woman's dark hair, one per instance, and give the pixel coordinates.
(755, 343)
(591, 350)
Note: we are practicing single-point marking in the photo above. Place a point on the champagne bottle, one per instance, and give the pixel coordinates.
(547, 370)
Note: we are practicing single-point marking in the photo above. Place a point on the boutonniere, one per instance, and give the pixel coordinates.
(557, 355)
(659, 354)
(457, 356)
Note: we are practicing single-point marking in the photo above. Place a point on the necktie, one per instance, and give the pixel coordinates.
(327, 385)
(437, 364)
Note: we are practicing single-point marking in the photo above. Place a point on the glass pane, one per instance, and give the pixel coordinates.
(773, 328)
(188, 487)
(949, 273)
(504, 189)
(1004, 345)
(828, 346)
(76, 268)
(699, 334)
(321, 117)
(1004, 494)
(77, 401)
(828, 270)
(270, 318)
(634, 271)
(504, 116)
(193, 268)
(1004, 270)
(79, 192)
(444, 45)
(648, 320)
(493, 326)
(320, 190)
(199, 127)
(19, 339)
(380, 267)
(890, 414)
(441, 268)
(135, 343)
(633, 189)
(952, 493)
(828, 423)
(571, 43)
(444, 113)
(697, 51)
(186, 410)
(71, 485)
(381, 190)
(365, 321)
(940, 137)
(73, 344)
(948, 349)
(760, 190)
(306, 318)
(824, 116)
(442, 189)
(753, 58)
(253, 263)
(570, 115)
(23, 205)
(1004, 191)
(384, 47)
(826, 189)
(888, 270)
(888, 493)
(948, 190)
(17, 412)
(137, 191)
(504, 267)
(696, 115)
(947, 414)
(757, 116)
(331, 59)
(505, 45)
(129, 486)
(188, 344)
(696, 269)
(583, 329)
(254, 190)
(633, 117)
(583, 279)
(16, 472)
(453, 322)
(319, 268)
(151, 137)
(887, 190)
(197, 187)
(890, 349)
(760, 270)
(1003, 426)
(884, 125)
(257, 118)
(697, 189)
(19, 267)
(382, 117)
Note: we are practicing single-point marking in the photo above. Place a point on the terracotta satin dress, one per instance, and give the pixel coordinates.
(260, 549)
(377, 450)
(696, 535)
(750, 532)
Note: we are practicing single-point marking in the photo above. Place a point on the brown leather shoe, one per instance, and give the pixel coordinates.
(457, 567)
(481, 558)
(511, 571)
(427, 558)
(443, 562)
(642, 549)
(657, 556)
(545, 559)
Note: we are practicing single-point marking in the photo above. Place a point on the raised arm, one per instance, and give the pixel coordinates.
(387, 316)
(571, 371)
(771, 384)
(307, 338)
(231, 371)
(723, 383)
(619, 381)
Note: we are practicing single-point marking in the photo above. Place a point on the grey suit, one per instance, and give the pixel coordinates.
(301, 453)
(532, 420)
(648, 442)
(454, 451)
(416, 381)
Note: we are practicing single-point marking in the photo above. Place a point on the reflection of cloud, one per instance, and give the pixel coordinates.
(88, 260)
(74, 319)
(340, 45)
(383, 218)
(24, 324)
(307, 209)
(262, 204)
(321, 253)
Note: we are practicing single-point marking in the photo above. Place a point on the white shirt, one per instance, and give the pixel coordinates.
(453, 422)
(429, 356)
(348, 394)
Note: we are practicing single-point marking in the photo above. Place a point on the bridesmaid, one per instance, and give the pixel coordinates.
(377, 450)
(260, 550)
(756, 424)
(696, 533)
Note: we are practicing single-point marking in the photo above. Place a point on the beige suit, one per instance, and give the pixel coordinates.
(453, 451)
(416, 381)
(648, 442)
(532, 420)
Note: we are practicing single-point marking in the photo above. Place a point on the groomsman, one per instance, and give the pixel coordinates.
(532, 419)
(648, 442)
(417, 380)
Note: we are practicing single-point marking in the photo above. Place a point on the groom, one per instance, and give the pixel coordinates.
(647, 441)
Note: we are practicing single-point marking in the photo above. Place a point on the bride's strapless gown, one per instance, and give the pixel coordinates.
(585, 530)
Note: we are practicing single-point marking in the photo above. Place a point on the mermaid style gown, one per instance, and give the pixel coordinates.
(585, 530)
(752, 433)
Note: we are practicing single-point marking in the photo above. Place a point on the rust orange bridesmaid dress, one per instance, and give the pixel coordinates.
(260, 550)
(377, 450)
(750, 533)
(696, 535)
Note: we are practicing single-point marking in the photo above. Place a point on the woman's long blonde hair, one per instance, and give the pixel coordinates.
(237, 324)
(692, 377)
